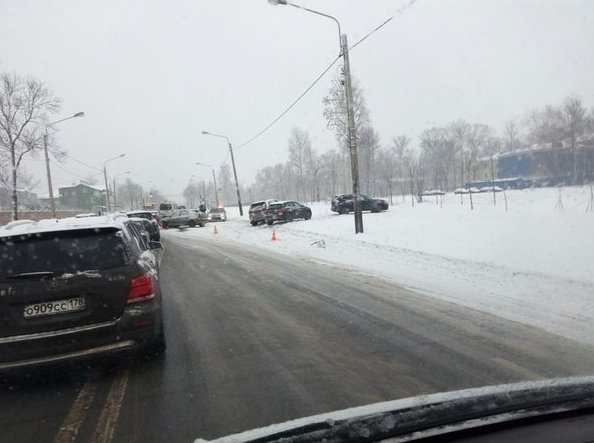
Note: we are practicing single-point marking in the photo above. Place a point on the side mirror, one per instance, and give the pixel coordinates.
(155, 245)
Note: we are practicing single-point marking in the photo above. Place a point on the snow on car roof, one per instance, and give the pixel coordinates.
(23, 227)
(139, 211)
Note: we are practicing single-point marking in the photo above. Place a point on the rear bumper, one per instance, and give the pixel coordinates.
(98, 351)
(256, 217)
(275, 217)
(139, 326)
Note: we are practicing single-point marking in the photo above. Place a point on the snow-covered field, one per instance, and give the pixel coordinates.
(533, 263)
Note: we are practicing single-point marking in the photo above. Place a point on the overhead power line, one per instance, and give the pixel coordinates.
(319, 77)
(70, 172)
(81, 162)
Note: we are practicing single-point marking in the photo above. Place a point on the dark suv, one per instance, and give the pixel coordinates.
(76, 288)
(286, 211)
(343, 204)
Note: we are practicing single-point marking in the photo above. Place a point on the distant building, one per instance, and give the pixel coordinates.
(25, 199)
(81, 197)
(547, 165)
(541, 165)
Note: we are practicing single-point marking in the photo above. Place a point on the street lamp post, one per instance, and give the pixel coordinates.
(50, 189)
(234, 170)
(352, 133)
(214, 179)
(105, 177)
(115, 206)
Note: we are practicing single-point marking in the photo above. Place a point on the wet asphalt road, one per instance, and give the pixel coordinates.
(256, 338)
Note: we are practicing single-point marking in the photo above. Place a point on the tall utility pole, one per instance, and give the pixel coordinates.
(50, 189)
(105, 177)
(351, 130)
(233, 163)
(106, 188)
(235, 175)
(352, 135)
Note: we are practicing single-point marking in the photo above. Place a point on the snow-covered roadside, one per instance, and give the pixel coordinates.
(533, 263)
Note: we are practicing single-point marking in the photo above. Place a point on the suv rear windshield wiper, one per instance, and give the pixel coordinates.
(31, 275)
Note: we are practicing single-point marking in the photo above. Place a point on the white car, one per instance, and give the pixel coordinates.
(217, 214)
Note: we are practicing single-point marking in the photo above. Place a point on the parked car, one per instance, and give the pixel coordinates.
(184, 217)
(286, 211)
(151, 225)
(256, 213)
(76, 288)
(343, 204)
(147, 229)
(217, 214)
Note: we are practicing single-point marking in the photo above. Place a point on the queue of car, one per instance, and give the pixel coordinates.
(90, 284)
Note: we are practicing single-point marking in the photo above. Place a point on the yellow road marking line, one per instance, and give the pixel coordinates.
(109, 416)
(76, 416)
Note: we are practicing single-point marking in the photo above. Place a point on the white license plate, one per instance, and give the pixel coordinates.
(54, 307)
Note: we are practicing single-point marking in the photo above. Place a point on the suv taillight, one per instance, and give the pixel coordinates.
(141, 288)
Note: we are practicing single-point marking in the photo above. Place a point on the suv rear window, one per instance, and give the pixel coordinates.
(275, 205)
(256, 204)
(62, 252)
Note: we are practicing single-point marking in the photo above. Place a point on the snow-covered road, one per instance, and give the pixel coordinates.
(533, 263)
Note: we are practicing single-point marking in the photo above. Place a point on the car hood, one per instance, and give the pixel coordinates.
(425, 416)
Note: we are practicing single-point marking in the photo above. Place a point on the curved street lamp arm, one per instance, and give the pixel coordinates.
(78, 114)
(323, 15)
(216, 135)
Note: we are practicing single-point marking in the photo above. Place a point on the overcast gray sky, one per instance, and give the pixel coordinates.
(151, 75)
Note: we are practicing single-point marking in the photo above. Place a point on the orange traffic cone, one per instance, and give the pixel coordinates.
(273, 235)
(215, 230)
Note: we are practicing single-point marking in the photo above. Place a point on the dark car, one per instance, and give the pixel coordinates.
(343, 204)
(148, 223)
(286, 211)
(76, 288)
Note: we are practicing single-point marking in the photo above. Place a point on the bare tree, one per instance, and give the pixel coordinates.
(457, 134)
(300, 159)
(492, 147)
(387, 170)
(576, 125)
(5, 169)
(512, 136)
(25, 104)
(435, 152)
(130, 194)
(226, 184)
(399, 146)
(192, 194)
(335, 110)
(329, 162)
(544, 126)
(369, 144)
